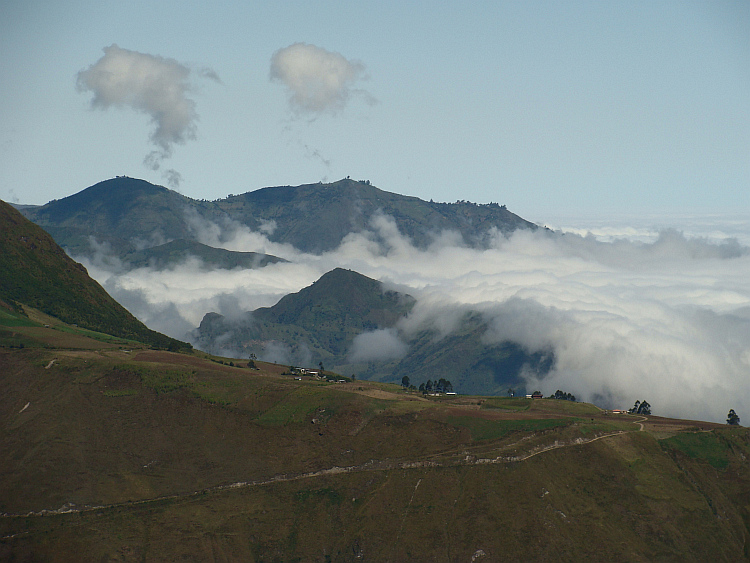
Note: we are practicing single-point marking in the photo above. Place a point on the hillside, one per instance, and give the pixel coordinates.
(316, 324)
(320, 323)
(140, 455)
(36, 272)
(170, 254)
(130, 214)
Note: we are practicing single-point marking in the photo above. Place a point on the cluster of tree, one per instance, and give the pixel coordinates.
(442, 385)
(640, 408)
(563, 396)
(732, 418)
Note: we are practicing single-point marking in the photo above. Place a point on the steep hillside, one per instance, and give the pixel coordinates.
(130, 214)
(35, 271)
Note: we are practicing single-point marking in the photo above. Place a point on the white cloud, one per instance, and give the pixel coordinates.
(148, 84)
(318, 81)
(378, 345)
(667, 321)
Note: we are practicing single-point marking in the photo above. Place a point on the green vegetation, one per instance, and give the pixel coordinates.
(36, 272)
(510, 403)
(10, 319)
(485, 429)
(701, 445)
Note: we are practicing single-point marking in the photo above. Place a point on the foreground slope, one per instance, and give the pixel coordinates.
(36, 272)
(153, 456)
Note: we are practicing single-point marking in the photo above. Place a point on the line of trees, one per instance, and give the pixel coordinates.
(563, 396)
(442, 385)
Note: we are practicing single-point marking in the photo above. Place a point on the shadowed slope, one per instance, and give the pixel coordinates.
(35, 271)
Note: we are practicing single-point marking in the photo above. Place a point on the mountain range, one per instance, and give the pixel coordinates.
(129, 215)
(143, 225)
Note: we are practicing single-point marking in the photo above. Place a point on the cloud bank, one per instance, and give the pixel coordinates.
(666, 320)
(148, 84)
(317, 81)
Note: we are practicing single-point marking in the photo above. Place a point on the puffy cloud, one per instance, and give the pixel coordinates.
(148, 84)
(318, 81)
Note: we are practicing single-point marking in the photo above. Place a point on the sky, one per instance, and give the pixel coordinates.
(551, 108)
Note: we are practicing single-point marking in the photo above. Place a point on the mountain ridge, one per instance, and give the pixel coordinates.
(312, 217)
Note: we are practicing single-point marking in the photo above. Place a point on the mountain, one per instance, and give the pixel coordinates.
(125, 213)
(170, 254)
(316, 217)
(318, 323)
(130, 214)
(145, 455)
(36, 272)
(321, 322)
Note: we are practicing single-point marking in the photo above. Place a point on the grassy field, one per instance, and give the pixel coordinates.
(145, 455)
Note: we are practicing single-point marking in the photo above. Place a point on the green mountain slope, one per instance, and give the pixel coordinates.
(35, 271)
(129, 214)
(320, 323)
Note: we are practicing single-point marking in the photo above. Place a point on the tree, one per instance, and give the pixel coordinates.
(732, 418)
(563, 396)
(405, 382)
(422, 388)
(428, 386)
(640, 407)
(511, 392)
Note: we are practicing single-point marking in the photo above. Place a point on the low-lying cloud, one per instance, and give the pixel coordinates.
(149, 84)
(666, 320)
(317, 81)
(378, 345)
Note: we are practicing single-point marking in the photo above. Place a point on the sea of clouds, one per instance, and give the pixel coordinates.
(634, 308)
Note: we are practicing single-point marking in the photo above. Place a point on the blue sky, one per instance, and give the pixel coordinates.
(547, 107)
